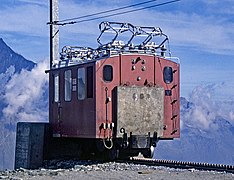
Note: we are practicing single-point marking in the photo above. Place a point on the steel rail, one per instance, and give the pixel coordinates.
(182, 165)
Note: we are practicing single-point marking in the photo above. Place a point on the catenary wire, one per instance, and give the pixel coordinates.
(107, 11)
(114, 14)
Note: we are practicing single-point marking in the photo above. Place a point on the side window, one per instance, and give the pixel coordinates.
(56, 88)
(67, 85)
(81, 83)
(108, 73)
(168, 74)
(89, 82)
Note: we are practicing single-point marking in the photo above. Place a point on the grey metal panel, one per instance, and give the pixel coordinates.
(140, 110)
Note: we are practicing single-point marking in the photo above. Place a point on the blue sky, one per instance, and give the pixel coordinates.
(201, 34)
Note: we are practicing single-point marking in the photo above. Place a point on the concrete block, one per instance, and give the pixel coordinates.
(30, 138)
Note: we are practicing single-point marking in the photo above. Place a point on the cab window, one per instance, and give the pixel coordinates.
(108, 73)
(81, 83)
(56, 88)
(168, 74)
(67, 85)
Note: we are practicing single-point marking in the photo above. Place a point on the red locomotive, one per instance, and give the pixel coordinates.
(117, 100)
(123, 96)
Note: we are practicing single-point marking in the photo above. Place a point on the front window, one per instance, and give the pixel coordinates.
(108, 73)
(168, 75)
(68, 85)
(81, 83)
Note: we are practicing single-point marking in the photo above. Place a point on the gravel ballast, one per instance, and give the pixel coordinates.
(61, 170)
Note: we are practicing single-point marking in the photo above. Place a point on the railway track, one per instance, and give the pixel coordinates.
(182, 165)
(144, 161)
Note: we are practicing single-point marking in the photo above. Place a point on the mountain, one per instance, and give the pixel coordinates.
(9, 58)
(10, 63)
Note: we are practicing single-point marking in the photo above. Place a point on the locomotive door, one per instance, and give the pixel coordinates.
(107, 79)
(55, 103)
(62, 102)
(168, 77)
(77, 103)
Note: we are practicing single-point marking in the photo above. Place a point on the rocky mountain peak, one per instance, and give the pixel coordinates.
(10, 58)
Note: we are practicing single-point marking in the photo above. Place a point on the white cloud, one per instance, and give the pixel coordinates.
(35, 2)
(4, 78)
(220, 7)
(24, 93)
(27, 20)
(205, 110)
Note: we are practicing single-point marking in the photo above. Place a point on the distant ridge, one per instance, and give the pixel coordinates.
(10, 58)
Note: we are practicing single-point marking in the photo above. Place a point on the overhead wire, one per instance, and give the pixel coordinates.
(107, 11)
(62, 23)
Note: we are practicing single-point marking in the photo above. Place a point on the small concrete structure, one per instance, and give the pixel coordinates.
(30, 140)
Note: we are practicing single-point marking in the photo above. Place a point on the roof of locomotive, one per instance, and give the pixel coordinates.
(73, 55)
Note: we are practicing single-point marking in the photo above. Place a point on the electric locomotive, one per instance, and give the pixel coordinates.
(122, 96)
(115, 101)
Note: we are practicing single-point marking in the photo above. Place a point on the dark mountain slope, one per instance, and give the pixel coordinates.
(9, 58)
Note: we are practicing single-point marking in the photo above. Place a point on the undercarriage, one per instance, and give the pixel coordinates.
(34, 144)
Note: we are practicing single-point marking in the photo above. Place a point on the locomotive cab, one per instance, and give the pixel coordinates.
(120, 99)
